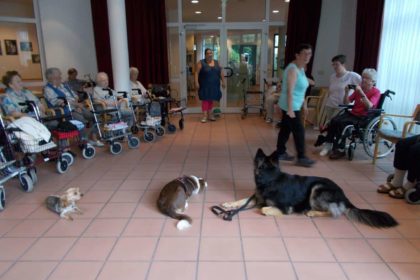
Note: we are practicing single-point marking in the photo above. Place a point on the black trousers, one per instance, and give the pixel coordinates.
(407, 157)
(336, 127)
(295, 126)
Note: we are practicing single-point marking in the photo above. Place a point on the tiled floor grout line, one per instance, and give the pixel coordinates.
(236, 198)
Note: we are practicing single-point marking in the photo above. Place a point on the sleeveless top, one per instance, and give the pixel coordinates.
(209, 80)
(298, 92)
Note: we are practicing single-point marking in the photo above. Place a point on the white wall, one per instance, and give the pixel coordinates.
(67, 31)
(336, 35)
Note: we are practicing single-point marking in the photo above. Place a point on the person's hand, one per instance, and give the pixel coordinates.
(291, 114)
(223, 85)
(358, 88)
(60, 102)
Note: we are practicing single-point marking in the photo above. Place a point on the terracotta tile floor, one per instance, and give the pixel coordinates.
(122, 235)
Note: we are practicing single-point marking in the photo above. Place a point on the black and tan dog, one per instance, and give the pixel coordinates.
(173, 199)
(281, 193)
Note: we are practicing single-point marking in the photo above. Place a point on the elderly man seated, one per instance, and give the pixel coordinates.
(135, 86)
(101, 96)
(365, 97)
(56, 94)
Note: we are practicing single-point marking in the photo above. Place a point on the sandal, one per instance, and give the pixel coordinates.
(397, 193)
(386, 188)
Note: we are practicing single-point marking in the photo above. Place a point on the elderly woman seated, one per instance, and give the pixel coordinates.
(13, 103)
(365, 97)
(101, 96)
(56, 94)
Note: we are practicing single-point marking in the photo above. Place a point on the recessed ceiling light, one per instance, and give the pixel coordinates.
(198, 12)
(194, 1)
(287, 1)
(219, 17)
(276, 11)
(263, 20)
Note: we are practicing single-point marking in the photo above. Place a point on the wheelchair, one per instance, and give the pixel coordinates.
(412, 196)
(364, 131)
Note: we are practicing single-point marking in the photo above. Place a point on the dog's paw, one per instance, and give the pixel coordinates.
(314, 213)
(229, 205)
(271, 211)
(183, 225)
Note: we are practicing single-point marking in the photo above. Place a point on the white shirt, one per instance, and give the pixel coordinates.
(337, 85)
(138, 85)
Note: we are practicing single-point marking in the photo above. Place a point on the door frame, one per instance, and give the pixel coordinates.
(223, 30)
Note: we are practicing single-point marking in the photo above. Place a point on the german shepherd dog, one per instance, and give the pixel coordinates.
(281, 193)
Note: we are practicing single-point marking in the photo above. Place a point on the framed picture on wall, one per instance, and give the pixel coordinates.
(36, 58)
(11, 47)
(26, 46)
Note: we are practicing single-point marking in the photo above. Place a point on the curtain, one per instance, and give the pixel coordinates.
(146, 35)
(368, 34)
(147, 40)
(399, 62)
(101, 34)
(302, 27)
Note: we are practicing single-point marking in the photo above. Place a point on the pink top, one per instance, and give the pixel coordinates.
(359, 108)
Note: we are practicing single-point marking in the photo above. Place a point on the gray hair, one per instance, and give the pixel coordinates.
(51, 71)
(371, 73)
(134, 69)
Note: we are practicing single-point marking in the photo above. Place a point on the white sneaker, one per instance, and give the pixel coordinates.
(326, 150)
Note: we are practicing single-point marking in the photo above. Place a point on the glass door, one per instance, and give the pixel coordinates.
(244, 57)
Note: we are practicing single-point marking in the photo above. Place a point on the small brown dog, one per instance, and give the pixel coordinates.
(173, 199)
(65, 204)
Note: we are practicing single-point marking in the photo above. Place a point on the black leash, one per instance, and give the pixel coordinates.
(227, 215)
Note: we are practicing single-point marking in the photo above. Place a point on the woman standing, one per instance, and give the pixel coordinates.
(291, 101)
(208, 75)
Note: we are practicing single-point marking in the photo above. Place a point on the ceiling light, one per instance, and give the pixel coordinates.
(276, 11)
(287, 1)
(219, 17)
(194, 1)
(198, 12)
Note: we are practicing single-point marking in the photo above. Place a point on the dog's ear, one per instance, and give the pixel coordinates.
(259, 154)
(274, 158)
(259, 159)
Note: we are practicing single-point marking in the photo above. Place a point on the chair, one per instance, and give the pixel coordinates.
(315, 104)
(393, 136)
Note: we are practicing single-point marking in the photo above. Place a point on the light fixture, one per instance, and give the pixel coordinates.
(219, 18)
(194, 1)
(287, 1)
(197, 12)
(276, 11)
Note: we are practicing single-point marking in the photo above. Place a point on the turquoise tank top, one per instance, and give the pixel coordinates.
(298, 92)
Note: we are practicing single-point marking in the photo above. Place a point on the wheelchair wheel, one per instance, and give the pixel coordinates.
(26, 183)
(88, 152)
(148, 136)
(2, 198)
(32, 174)
(412, 195)
(62, 166)
(68, 157)
(133, 142)
(350, 151)
(160, 131)
(115, 148)
(369, 137)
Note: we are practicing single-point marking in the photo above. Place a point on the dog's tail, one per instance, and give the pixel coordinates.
(373, 218)
(185, 221)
